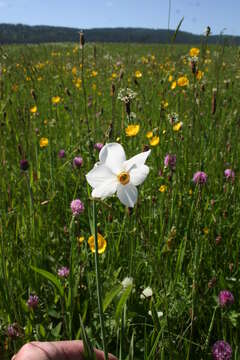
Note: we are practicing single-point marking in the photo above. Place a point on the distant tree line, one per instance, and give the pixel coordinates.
(23, 34)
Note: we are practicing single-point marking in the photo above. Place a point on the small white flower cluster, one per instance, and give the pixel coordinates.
(126, 95)
(159, 313)
(173, 118)
(127, 281)
(193, 59)
(146, 293)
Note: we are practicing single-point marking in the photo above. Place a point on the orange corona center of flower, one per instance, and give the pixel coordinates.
(123, 178)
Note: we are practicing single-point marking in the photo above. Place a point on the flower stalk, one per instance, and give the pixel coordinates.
(98, 281)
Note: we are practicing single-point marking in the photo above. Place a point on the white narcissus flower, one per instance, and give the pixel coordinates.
(113, 173)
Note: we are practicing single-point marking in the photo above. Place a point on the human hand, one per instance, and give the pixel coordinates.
(57, 350)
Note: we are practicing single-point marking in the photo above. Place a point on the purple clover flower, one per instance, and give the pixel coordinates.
(61, 154)
(221, 350)
(229, 174)
(77, 161)
(77, 207)
(200, 177)
(63, 272)
(225, 298)
(24, 165)
(32, 302)
(170, 161)
(98, 146)
(12, 331)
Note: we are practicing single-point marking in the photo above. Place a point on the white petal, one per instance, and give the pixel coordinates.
(99, 175)
(106, 189)
(139, 174)
(137, 160)
(127, 194)
(113, 156)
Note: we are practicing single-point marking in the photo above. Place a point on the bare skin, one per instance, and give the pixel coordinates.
(58, 350)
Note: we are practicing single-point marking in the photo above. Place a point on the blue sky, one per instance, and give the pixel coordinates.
(218, 14)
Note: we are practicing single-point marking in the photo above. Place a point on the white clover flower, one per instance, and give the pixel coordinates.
(146, 293)
(113, 173)
(159, 313)
(127, 281)
(126, 95)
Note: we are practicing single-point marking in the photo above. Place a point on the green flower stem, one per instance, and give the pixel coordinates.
(210, 329)
(98, 281)
(71, 278)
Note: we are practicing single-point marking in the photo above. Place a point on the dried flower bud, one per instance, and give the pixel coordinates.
(82, 39)
(33, 94)
(214, 101)
(113, 88)
(218, 239)
(212, 282)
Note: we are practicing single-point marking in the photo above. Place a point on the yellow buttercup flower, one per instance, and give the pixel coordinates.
(94, 73)
(149, 134)
(154, 141)
(194, 52)
(199, 74)
(183, 81)
(132, 130)
(138, 74)
(33, 110)
(43, 142)
(163, 188)
(165, 104)
(80, 239)
(177, 126)
(102, 244)
(56, 99)
(205, 231)
(170, 78)
(174, 84)
(74, 70)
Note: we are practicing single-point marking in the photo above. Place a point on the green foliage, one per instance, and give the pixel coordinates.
(181, 239)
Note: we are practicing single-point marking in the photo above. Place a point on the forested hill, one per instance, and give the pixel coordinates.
(19, 34)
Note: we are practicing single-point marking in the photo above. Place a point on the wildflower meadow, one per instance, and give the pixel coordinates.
(119, 198)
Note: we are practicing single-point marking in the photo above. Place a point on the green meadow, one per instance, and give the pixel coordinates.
(163, 262)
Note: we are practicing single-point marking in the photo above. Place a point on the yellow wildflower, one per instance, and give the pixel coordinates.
(165, 104)
(138, 74)
(56, 99)
(199, 74)
(177, 126)
(132, 130)
(43, 142)
(174, 84)
(74, 70)
(102, 244)
(205, 231)
(163, 188)
(94, 87)
(194, 52)
(154, 141)
(33, 109)
(149, 134)
(94, 73)
(170, 78)
(80, 239)
(183, 81)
